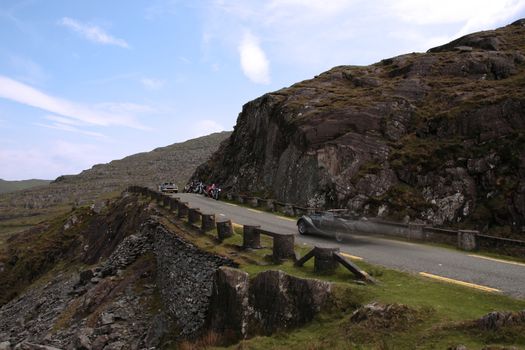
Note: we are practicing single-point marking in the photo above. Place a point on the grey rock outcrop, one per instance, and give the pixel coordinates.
(272, 301)
(497, 320)
(436, 136)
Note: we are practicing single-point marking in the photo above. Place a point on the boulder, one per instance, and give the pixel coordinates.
(270, 302)
(229, 306)
(496, 320)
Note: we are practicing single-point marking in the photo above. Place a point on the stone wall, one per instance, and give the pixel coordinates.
(185, 276)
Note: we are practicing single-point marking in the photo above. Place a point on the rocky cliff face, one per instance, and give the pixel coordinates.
(436, 136)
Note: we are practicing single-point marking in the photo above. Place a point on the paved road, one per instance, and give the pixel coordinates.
(508, 278)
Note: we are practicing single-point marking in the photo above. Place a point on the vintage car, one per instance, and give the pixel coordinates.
(333, 223)
(168, 187)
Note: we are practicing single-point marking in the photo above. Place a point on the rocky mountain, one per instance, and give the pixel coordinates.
(436, 137)
(11, 186)
(171, 163)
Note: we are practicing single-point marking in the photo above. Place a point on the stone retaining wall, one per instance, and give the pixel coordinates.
(185, 276)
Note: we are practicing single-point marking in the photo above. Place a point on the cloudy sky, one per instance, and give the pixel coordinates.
(86, 82)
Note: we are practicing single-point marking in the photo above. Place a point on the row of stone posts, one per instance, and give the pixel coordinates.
(283, 244)
(326, 260)
(269, 204)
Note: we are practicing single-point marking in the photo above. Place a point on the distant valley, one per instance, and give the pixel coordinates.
(11, 186)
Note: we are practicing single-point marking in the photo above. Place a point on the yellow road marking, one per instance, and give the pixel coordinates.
(254, 210)
(498, 260)
(461, 283)
(237, 225)
(353, 257)
(402, 242)
(282, 217)
(233, 205)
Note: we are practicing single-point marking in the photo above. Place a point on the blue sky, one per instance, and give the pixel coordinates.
(86, 82)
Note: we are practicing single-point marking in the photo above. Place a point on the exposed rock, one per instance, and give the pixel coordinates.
(272, 301)
(427, 135)
(458, 347)
(497, 320)
(32, 346)
(85, 276)
(72, 221)
(384, 317)
(230, 309)
(82, 341)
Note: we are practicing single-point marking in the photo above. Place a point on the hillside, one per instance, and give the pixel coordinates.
(437, 137)
(174, 163)
(11, 186)
(136, 276)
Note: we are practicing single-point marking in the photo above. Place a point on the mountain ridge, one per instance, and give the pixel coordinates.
(174, 163)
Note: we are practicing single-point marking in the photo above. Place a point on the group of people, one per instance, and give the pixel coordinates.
(197, 186)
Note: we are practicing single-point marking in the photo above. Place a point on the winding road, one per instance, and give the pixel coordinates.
(454, 266)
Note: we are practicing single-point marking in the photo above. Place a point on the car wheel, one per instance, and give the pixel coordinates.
(301, 227)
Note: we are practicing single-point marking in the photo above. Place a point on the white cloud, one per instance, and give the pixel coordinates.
(70, 128)
(107, 114)
(472, 15)
(319, 34)
(58, 158)
(453, 11)
(92, 33)
(152, 84)
(204, 127)
(254, 63)
(63, 120)
(125, 108)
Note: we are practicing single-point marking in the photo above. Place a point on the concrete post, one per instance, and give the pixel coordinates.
(183, 210)
(270, 205)
(194, 215)
(283, 247)
(288, 210)
(254, 202)
(174, 204)
(224, 229)
(415, 231)
(467, 240)
(324, 261)
(251, 237)
(207, 222)
(240, 199)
